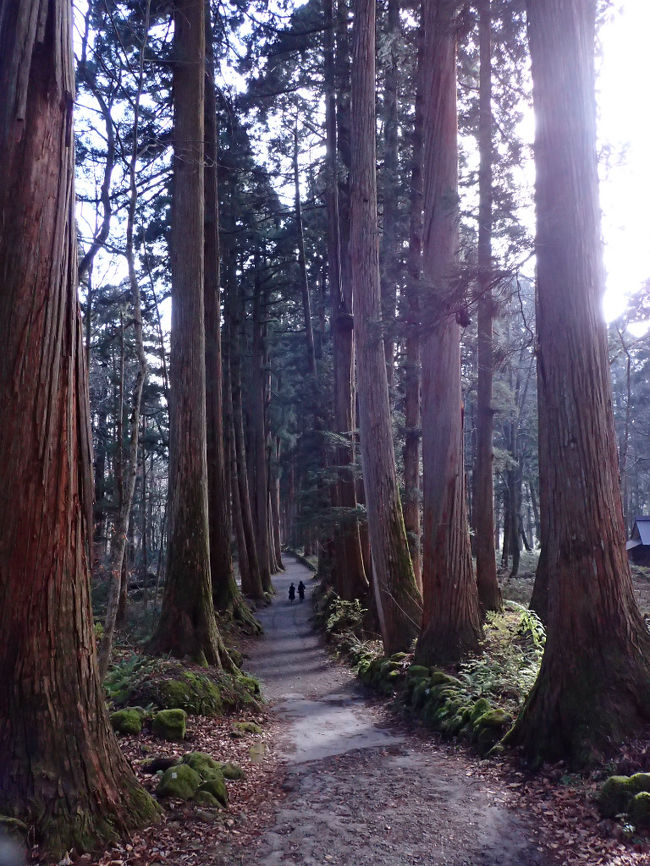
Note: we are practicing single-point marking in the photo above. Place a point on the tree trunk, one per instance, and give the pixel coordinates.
(187, 625)
(398, 600)
(412, 420)
(489, 593)
(390, 255)
(258, 435)
(54, 735)
(275, 508)
(224, 589)
(593, 688)
(349, 572)
(450, 623)
(302, 262)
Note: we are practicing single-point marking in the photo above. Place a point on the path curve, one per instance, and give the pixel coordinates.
(362, 794)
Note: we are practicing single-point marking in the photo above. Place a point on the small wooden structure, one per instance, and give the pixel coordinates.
(638, 547)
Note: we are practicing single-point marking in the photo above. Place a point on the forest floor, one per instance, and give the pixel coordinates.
(338, 777)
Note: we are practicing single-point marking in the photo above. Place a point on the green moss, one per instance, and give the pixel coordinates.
(490, 728)
(217, 787)
(128, 721)
(241, 728)
(617, 792)
(232, 771)
(251, 684)
(203, 764)
(639, 810)
(257, 752)
(194, 693)
(493, 719)
(417, 672)
(440, 678)
(420, 693)
(180, 781)
(481, 707)
(451, 725)
(205, 798)
(170, 724)
(387, 666)
(239, 691)
(165, 685)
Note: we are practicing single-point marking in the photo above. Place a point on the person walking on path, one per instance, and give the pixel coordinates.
(301, 591)
(292, 593)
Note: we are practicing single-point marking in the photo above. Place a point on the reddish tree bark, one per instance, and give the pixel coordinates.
(483, 513)
(398, 599)
(390, 255)
(594, 684)
(412, 404)
(258, 435)
(450, 623)
(225, 594)
(61, 770)
(187, 625)
(349, 573)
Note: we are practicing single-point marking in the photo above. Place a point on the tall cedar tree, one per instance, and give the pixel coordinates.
(225, 592)
(486, 565)
(54, 731)
(187, 623)
(412, 436)
(450, 624)
(398, 601)
(350, 577)
(390, 254)
(594, 684)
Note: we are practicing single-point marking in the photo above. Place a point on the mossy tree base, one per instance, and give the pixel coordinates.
(580, 712)
(64, 826)
(439, 644)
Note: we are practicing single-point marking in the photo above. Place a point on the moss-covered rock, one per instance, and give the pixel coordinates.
(481, 707)
(170, 724)
(168, 685)
(195, 693)
(451, 724)
(387, 666)
(639, 810)
(618, 791)
(203, 764)
(239, 691)
(257, 752)
(239, 729)
(417, 672)
(251, 684)
(180, 781)
(490, 728)
(232, 771)
(441, 678)
(420, 693)
(205, 798)
(216, 786)
(128, 721)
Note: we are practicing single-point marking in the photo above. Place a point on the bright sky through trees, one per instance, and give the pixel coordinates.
(625, 130)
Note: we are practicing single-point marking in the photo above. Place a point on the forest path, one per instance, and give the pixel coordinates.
(359, 793)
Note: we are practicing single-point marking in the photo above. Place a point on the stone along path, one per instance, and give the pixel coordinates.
(361, 794)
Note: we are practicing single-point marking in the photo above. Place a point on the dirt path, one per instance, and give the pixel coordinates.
(358, 791)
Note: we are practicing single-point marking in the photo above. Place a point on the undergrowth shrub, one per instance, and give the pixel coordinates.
(507, 669)
(345, 616)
